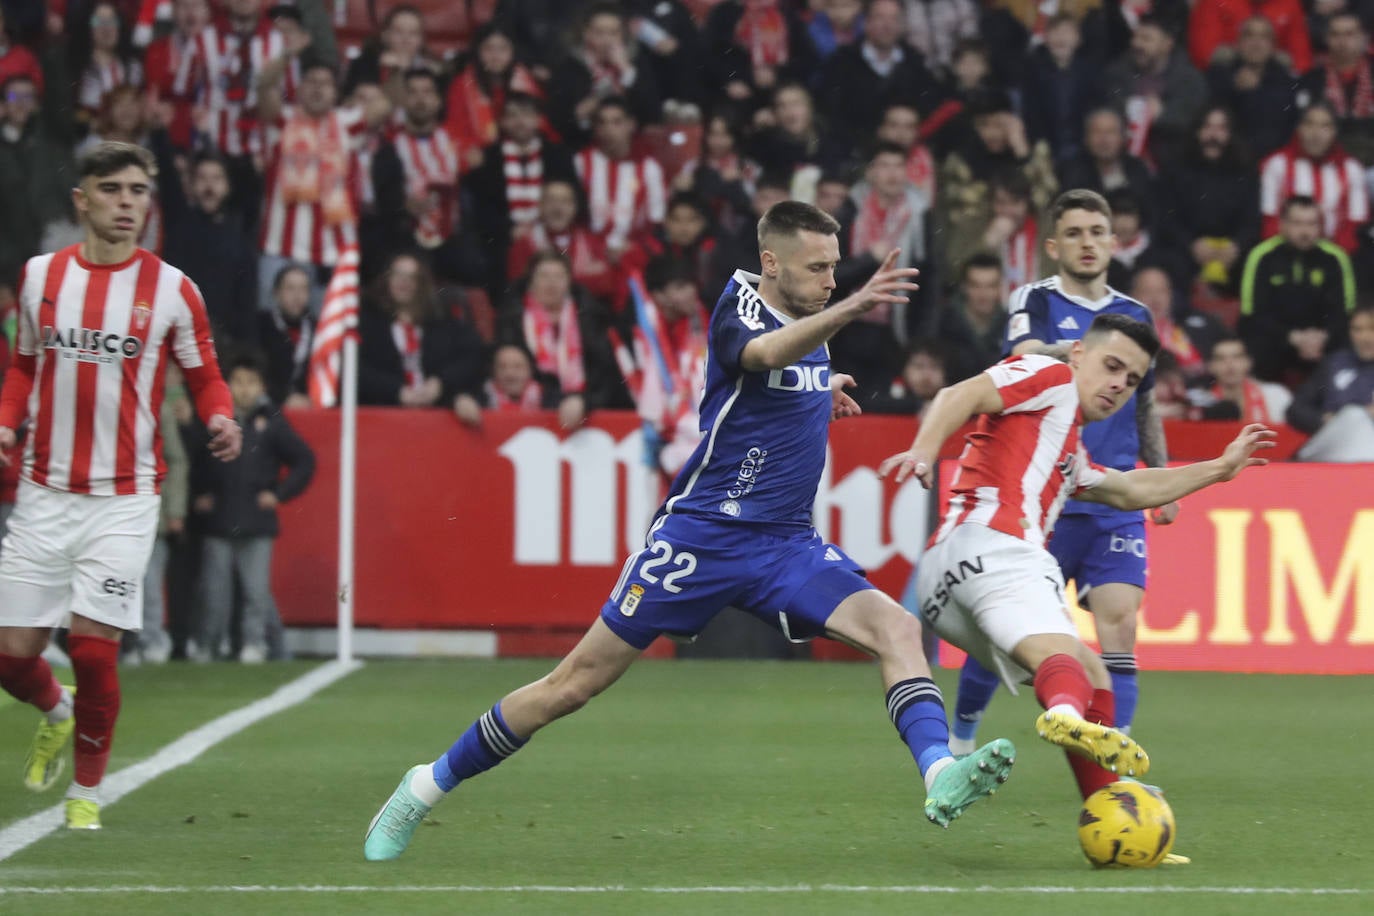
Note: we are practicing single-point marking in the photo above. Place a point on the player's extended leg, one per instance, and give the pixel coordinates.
(1075, 690)
(977, 685)
(94, 651)
(26, 676)
(1116, 610)
(594, 664)
(875, 623)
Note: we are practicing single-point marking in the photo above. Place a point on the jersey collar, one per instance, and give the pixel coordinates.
(1094, 305)
(751, 282)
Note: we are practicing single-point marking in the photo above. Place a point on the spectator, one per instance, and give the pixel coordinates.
(970, 70)
(123, 115)
(559, 230)
(377, 181)
(836, 24)
(793, 142)
(511, 388)
(1061, 85)
(1336, 405)
(505, 189)
(721, 174)
(104, 56)
(753, 47)
(237, 502)
(1183, 332)
(935, 28)
(207, 237)
(17, 60)
(1235, 394)
(1011, 234)
(1294, 296)
(602, 67)
(1158, 89)
(286, 333)
(901, 124)
(997, 146)
(1170, 392)
(540, 29)
(859, 82)
(1137, 247)
(832, 196)
(889, 212)
(973, 324)
(164, 58)
(1313, 164)
(626, 193)
(1216, 23)
(668, 31)
(478, 95)
(566, 332)
(685, 235)
(410, 353)
(1105, 163)
(152, 645)
(397, 49)
(1210, 201)
(1345, 82)
(1256, 85)
(921, 378)
(36, 174)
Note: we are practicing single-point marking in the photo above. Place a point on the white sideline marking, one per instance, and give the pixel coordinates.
(708, 889)
(22, 834)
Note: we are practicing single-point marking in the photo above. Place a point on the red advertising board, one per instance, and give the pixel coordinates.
(521, 527)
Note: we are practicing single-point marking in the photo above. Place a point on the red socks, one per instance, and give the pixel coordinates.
(1061, 680)
(97, 704)
(30, 680)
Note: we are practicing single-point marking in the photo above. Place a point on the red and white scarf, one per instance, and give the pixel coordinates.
(407, 337)
(531, 398)
(1138, 123)
(1176, 341)
(524, 171)
(431, 164)
(1253, 408)
(556, 345)
(762, 31)
(920, 170)
(314, 166)
(1019, 258)
(1362, 104)
(473, 112)
(575, 245)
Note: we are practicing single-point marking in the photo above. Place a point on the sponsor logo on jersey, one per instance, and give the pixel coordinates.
(832, 554)
(91, 345)
(800, 378)
(1068, 324)
(630, 602)
(730, 507)
(748, 474)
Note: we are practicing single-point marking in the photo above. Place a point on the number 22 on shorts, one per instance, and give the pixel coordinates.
(661, 554)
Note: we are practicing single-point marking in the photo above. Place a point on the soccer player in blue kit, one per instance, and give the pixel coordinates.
(1102, 549)
(736, 530)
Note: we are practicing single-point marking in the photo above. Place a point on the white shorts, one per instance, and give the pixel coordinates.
(69, 553)
(985, 591)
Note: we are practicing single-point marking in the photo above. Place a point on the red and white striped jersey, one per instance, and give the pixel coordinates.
(1020, 465)
(624, 196)
(1336, 183)
(101, 77)
(91, 364)
(431, 163)
(219, 72)
(300, 230)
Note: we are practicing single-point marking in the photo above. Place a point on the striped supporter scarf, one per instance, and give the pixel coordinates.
(556, 345)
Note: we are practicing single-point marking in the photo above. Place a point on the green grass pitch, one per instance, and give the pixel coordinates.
(695, 787)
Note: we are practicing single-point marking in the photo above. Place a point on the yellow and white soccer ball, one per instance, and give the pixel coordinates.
(1127, 825)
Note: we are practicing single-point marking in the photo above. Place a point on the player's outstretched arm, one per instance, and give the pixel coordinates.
(1146, 488)
(783, 346)
(950, 410)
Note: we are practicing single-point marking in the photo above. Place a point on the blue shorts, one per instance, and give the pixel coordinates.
(693, 569)
(1100, 549)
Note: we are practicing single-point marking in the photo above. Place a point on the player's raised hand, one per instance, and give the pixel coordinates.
(1240, 454)
(908, 464)
(225, 437)
(889, 285)
(8, 440)
(841, 404)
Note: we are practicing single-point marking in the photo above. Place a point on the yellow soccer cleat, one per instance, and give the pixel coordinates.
(46, 760)
(83, 814)
(1109, 748)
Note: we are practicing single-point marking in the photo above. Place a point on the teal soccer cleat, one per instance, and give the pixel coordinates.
(390, 831)
(968, 779)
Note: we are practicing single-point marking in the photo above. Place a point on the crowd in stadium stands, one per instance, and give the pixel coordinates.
(548, 196)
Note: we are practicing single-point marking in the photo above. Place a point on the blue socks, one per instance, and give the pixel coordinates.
(1121, 666)
(486, 743)
(976, 687)
(918, 711)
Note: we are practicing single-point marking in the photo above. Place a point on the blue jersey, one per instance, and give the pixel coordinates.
(764, 433)
(1043, 311)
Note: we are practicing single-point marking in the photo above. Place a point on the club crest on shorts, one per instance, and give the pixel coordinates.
(631, 600)
(730, 507)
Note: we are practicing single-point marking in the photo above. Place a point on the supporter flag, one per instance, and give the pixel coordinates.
(338, 319)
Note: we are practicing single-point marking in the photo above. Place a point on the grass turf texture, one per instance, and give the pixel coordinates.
(689, 775)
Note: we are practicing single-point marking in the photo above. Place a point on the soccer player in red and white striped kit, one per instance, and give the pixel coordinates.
(97, 323)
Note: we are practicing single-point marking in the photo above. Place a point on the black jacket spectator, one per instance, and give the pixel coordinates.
(1341, 379)
(1265, 113)
(269, 443)
(450, 350)
(286, 351)
(1287, 289)
(1055, 100)
(728, 61)
(853, 96)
